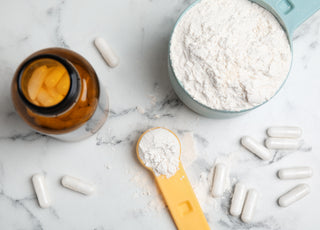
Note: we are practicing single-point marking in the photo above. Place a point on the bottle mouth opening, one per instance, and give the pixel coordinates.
(30, 96)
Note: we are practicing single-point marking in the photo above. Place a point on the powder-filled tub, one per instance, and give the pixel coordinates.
(228, 57)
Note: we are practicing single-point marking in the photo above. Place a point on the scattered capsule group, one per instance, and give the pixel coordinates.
(243, 202)
(72, 183)
(280, 138)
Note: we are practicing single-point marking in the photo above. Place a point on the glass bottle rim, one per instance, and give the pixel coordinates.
(70, 98)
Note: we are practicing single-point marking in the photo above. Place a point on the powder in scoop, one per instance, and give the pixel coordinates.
(230, 54)
(159, 149)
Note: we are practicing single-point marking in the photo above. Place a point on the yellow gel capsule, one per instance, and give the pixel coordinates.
(36, 81)
(36, 102)
(54, 76)
(55, 95)
(45, 99)
(63, 85)
(53, 92)
(57, 100)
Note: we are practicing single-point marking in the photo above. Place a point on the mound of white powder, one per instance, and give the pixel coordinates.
(159, 149)
(230, 54)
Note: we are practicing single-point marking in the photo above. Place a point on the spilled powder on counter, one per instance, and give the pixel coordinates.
(147, 188)
(203, 187)
(140, 109)
(203, 192)
(144, 181)
(153, 99)
(188, 150)
(107, 166)
(156, 116)
(159, 149)
(157, 204)
(230, 55)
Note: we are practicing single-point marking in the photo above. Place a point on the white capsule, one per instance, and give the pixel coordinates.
(294, 195)
(238, 198)
(284, 132)
(282, 143)
(41, 190)
(106, 51)
(249, 205)
(219, 180)
(77, 185)
(256, 148)
(295, 173)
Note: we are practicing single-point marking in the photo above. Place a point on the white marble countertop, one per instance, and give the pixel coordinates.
(126, 197)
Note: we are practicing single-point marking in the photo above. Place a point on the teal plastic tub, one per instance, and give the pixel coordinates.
(290, 14)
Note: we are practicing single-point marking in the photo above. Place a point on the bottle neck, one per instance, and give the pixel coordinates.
(70, 98)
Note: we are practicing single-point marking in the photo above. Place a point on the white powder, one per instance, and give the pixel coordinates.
(188, 151)
(202, 189)
(159, 149)
(140, 109)
(230, 54)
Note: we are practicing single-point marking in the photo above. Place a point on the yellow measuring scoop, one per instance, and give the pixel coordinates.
(178, 195)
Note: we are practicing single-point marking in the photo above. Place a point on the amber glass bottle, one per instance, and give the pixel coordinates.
(57, 92)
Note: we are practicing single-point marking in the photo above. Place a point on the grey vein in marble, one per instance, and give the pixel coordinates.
(30, 137)
(56, 12)
(19, 204)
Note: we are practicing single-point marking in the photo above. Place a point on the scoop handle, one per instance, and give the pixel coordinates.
(182, 202)
(292, 13)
